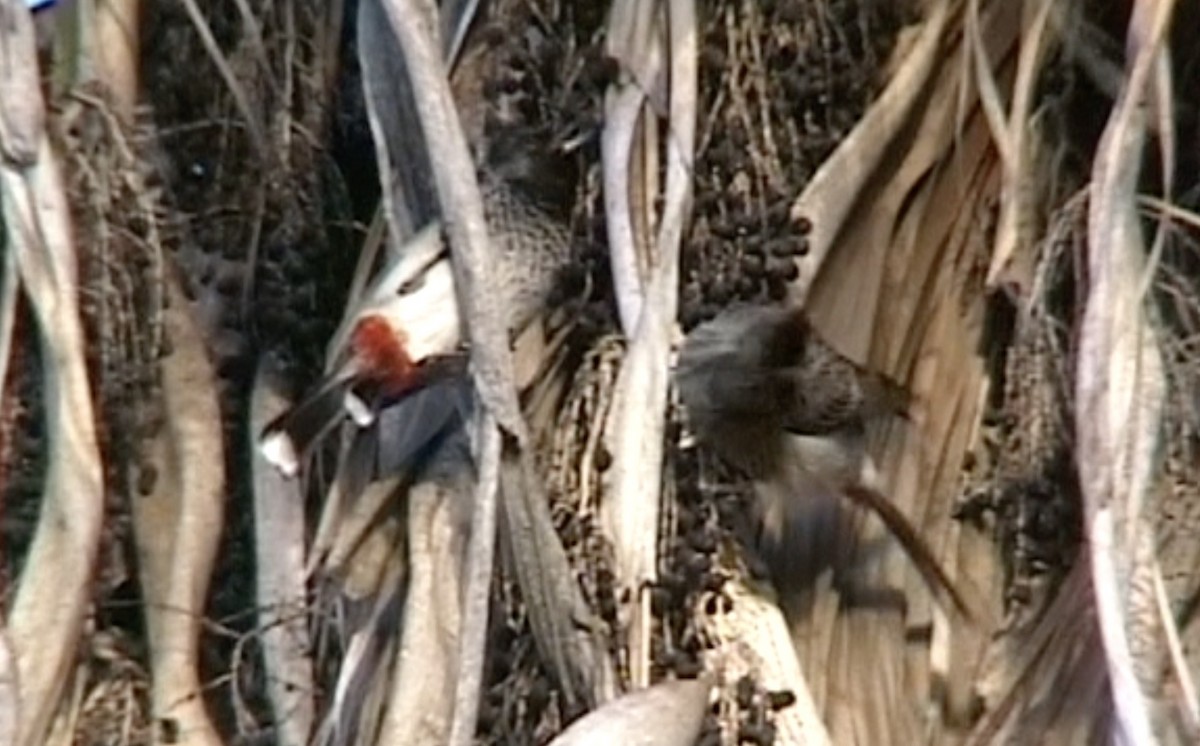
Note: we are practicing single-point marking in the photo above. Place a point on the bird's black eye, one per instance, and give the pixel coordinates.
(412, 285)
(415, 283)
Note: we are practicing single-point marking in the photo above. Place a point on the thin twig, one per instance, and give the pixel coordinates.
(258, 137)
(1011, 134)
(456, 19)
(253, 30)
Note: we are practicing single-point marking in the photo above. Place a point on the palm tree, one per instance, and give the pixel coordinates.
(989, 202)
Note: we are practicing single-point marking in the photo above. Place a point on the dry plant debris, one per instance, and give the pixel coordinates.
(262, 231)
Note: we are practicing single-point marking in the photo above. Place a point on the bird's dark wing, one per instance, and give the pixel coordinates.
(822, 409)
(410, 429)
(729, 392)
(826, 392)
(822, 394)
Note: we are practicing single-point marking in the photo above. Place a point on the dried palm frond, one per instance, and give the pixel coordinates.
(981, 199)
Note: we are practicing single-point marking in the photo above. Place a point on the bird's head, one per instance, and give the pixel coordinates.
(398, 343)
(407, 321)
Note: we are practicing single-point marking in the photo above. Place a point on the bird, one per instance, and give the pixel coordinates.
(406, 334)
(762, 390)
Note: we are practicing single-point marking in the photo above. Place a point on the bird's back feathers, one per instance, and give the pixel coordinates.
(534, 247)
(756, 361)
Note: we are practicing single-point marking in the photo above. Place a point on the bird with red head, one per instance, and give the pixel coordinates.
(406, 332)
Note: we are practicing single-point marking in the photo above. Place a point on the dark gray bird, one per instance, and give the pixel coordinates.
(776, 402)
(406, 333)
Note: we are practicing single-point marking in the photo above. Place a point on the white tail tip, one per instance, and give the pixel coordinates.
(358, 410)
(279, 451)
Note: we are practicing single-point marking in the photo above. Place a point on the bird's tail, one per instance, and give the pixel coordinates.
(803, 530)
(930, 570)
(289, 439)
(799, 536)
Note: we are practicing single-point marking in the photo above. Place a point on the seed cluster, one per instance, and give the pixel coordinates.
(1024, 486)
(781, 84)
